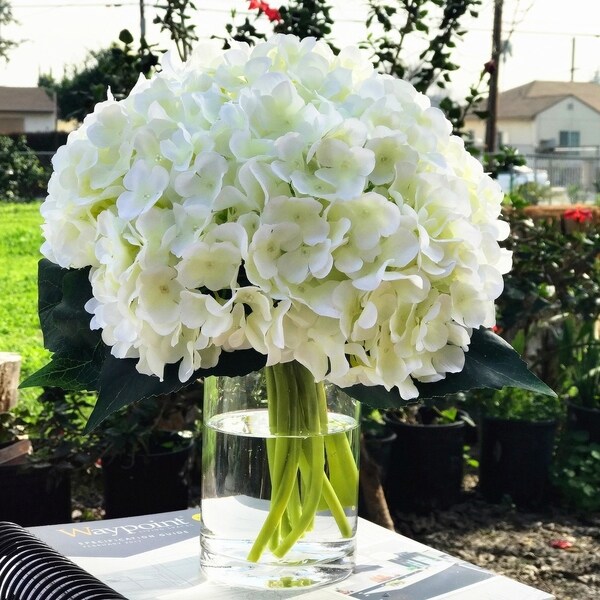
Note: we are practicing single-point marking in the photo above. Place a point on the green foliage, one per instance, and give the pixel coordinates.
(519, 404)
(22, 177)
(305, 18)
(6, 18)
(456, 112)
(141, 426)
(579, 356)
(56, 428)
(20, 241)
(117, 67)
(576, 472)
(176, 20)
(245, 31)
(437, 23)
(554, 273)
(504, 160)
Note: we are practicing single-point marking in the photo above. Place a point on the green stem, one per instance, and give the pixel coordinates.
(331, 499)
(297, 454)
(278, 504)
(311, 502)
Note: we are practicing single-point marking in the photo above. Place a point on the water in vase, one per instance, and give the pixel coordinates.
(239, 455)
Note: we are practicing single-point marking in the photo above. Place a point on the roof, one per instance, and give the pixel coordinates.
(26, 99)
(526, 101)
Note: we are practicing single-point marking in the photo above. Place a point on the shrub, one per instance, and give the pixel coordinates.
(22, 177)
(576, 472)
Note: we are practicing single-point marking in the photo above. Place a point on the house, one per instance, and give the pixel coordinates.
(26, 110)
(545, 116)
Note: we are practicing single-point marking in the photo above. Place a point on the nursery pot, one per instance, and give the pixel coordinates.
(279, 480)
(515, 460)
(148, 482)
(35, 495)
(379, 447)
(426, 466)
(581, 418)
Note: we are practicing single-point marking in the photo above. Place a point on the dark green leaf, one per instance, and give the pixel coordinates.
(62, 294)
(120, 384)
(68, 373)
(125, 36)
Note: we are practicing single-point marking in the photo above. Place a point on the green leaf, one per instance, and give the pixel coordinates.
(490, 363)
(69, 373)
(62, 294)
(120, 383)
(125, 36)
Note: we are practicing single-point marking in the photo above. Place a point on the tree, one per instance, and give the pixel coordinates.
(6, 18)
(437, 26)
(117, 67)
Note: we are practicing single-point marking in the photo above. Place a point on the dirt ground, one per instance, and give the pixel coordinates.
(554, 550)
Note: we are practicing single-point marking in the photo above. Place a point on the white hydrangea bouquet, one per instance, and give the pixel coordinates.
(275, 205)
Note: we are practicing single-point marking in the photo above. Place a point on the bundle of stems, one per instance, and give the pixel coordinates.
(310, 468)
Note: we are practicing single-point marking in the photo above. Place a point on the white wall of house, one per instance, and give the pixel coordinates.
(569, 115)
(518, 133)
(40, 122)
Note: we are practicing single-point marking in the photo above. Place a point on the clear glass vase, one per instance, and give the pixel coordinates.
(279, 480)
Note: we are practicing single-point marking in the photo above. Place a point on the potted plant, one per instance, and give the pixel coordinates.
(426, 459)
(41, 450)
(145, 452)
(580, 365)
(517, 443)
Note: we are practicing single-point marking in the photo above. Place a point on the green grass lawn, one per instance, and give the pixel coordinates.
(20, 240)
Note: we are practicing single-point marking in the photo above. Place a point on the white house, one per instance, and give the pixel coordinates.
(26, 110)
(545, 115)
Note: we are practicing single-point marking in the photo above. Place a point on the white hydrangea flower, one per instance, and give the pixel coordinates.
(284, 199)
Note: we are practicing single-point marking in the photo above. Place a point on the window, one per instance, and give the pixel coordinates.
(568, 139)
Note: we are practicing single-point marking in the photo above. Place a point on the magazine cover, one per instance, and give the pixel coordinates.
(156, 557)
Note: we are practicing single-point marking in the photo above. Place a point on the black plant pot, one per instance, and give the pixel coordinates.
(379, 448)
(515, 460)
(425, 469)
(148, 483)
(35, 495)
(581, 418)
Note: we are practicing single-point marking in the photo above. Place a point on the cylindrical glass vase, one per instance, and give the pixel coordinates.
(279, 480)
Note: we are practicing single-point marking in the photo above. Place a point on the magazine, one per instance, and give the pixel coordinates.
(156, 557)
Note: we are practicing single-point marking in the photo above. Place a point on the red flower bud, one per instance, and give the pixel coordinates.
(490, 66)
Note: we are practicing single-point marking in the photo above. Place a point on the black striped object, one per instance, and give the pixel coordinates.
(32, 570)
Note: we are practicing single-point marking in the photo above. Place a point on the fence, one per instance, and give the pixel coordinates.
(577, 176)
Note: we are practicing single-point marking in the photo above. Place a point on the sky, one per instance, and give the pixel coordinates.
(541, 35)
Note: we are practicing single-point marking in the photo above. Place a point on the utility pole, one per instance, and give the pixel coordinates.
(573, 59)
(492, 106)
(142, 24)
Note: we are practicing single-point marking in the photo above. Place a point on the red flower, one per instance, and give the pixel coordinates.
(561, 544)
(271, 13)
(579, 215)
